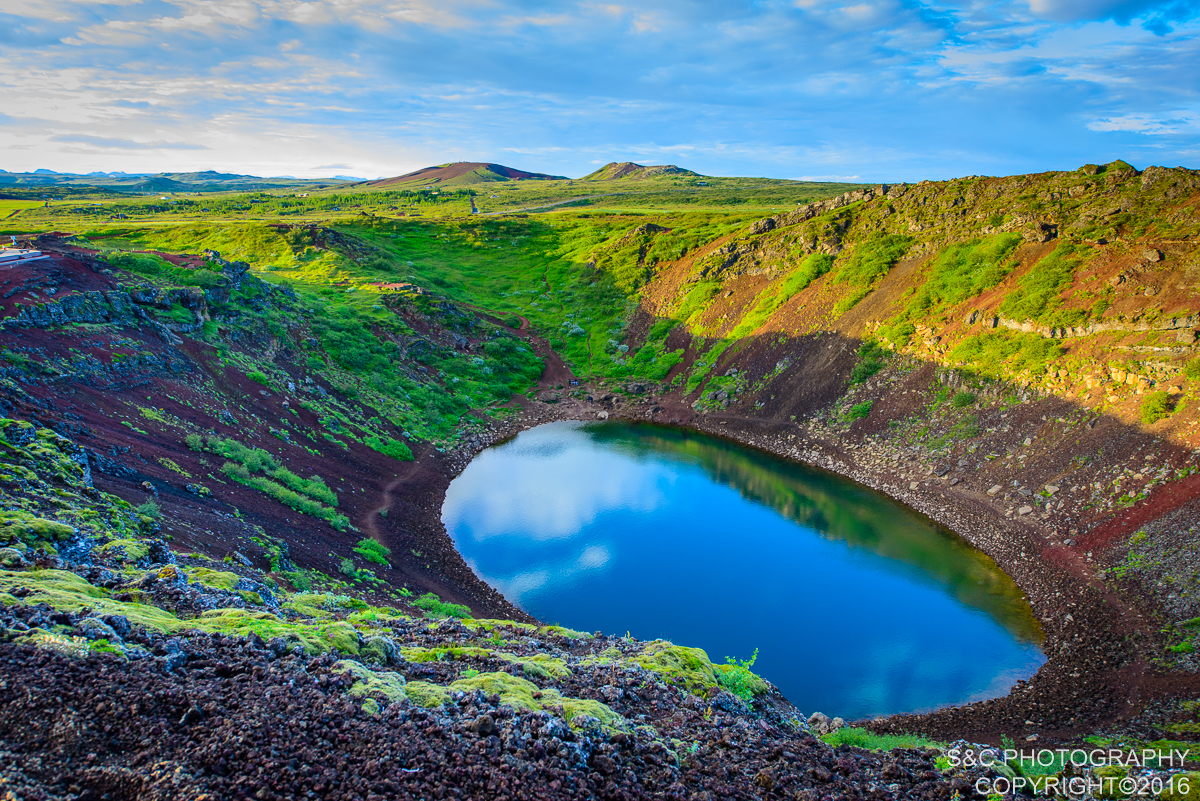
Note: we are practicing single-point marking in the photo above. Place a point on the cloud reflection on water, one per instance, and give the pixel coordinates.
(501, 496)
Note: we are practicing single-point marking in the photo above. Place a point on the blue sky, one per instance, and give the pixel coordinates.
(869, 90)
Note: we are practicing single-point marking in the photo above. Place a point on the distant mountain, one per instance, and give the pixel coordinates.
(627, 169)
(462, 173)
(206, 181)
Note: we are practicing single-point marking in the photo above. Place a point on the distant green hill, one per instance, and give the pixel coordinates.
(461, 173)
(207, 181)
(627, 169)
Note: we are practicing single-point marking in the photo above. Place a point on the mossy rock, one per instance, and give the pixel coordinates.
(689, 666)
(384, 686)
(379, 650)
(513, 691)
(250, 597)
(1175, 791)
(68, 592)
(217, 579)
(519, 693)
(542, 666)
(309, 604)
(344, 637)
(31, 529)
(125, 550)
(576, 708)
(1110, 776)
(490, 624)
(427, 695)
(243, 622)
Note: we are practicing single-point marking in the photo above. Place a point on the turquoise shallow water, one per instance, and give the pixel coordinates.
(858, 605)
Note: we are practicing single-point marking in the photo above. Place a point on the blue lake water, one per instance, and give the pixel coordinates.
(858, 605)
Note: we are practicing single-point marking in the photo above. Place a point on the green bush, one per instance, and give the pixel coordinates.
(299, 580)
(149, 509)
(962, 399)
(736, 676)
(287, 497)
(864, 370)
(435, 607)
(314, 487)
(194, 442)
(1155, 407)
(864, 738)
(1191, 370)
(258, 377)
(373, 551)
(390, 447)
(871, 361)
(859, 410)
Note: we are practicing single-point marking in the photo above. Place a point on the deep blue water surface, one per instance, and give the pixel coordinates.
(858, 605)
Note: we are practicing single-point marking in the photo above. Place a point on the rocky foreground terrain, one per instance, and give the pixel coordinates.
(134, 672)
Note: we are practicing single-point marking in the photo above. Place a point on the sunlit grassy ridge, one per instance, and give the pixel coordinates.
(578, 275)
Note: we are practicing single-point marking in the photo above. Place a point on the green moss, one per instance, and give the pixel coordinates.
(309, 604)
(542, 666)
(103, 646)
(689, 666)
(563, 631)
(125, 550)
(1110, 777)
(250, 597)
(513, 691)
(316, 638)
(343, 637)
(1175, 791)
(574, 708)
(444, 652)
(26, 527)
(383, 686)
(422, 693)
(864, 738)
(524, 695)
(218, 579)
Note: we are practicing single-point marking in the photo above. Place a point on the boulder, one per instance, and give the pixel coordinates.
(94, 628)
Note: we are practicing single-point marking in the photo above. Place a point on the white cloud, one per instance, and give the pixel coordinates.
(1154, 125)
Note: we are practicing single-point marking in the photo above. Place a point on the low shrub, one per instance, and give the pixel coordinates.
(864, 738)
(736, 676)
(149, 509)
(859, 410)
(390, 447)
(373, 551)
(435, 607)
(194, 442)
(962, 399)
(1155, 407)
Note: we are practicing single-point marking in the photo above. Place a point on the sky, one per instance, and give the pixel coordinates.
(862, 90)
